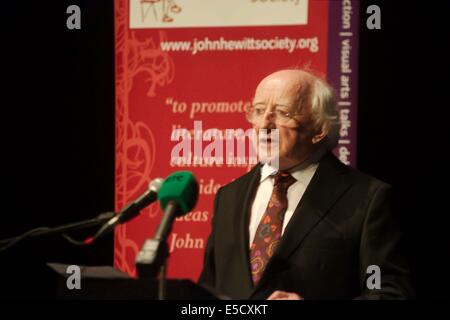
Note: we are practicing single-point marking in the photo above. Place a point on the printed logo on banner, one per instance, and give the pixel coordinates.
(216, 13)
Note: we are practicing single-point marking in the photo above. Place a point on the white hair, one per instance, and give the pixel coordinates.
(324, 111)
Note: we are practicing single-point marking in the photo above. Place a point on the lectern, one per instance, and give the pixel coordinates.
(105, 282)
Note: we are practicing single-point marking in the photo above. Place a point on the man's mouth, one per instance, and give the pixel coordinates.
(267, 140)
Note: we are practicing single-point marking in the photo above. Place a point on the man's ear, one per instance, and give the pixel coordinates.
(321, 133)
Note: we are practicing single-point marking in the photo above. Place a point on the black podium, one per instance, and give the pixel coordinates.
(104, 282)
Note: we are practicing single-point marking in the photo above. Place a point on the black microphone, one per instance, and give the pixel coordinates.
(133, 208)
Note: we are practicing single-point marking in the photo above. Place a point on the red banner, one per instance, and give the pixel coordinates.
(194, 63)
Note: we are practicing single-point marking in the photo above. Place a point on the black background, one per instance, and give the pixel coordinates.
(57, 130)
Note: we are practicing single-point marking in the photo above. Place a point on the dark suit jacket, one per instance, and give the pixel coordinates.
(342, 225)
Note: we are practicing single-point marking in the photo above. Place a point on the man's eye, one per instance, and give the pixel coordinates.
(282, 113)
(260, 110)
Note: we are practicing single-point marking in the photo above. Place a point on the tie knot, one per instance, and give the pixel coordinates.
(283, 180)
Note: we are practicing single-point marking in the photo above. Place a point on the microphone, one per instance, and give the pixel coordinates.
(177, 196)
(133, 208)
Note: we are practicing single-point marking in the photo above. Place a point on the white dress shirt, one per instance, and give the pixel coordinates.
(263, 193)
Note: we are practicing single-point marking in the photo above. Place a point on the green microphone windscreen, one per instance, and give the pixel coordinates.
(180, 187)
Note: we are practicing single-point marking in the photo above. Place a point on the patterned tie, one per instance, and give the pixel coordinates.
(268, 234)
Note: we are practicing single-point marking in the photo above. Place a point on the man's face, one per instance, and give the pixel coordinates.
(284, 92)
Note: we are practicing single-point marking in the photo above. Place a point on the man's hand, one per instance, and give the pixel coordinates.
(283, 295)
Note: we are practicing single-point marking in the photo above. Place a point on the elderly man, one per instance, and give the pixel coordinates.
(310, 227)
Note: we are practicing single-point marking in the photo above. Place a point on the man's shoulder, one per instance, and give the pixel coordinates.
(354, 175)
(362, 177)
(356, 186)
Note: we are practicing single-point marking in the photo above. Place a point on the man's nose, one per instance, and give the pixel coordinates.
(268, 120)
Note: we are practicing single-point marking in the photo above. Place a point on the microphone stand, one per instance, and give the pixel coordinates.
(162, 283)
(99, 220)
(43, 232)
(152, 259)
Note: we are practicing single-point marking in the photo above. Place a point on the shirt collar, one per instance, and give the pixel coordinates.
(302, 172)
(266, 171)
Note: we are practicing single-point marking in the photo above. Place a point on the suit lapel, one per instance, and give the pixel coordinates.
(245, 194)
(325, 188)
